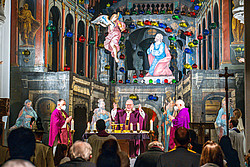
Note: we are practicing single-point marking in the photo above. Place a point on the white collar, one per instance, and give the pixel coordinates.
(58, 108)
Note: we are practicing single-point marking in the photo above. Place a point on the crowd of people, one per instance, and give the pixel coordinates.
(25, 147)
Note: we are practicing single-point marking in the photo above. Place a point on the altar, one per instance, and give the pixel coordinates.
(131, 143)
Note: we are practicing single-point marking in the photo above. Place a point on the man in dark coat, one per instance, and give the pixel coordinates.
(150, 157)
(181, 155)
(81, 153)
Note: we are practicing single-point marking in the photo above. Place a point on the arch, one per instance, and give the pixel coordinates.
(209, 43)
(54, 45)
(81, 49)
(199, 48)
(204, 46)
(216, 37)
(91, 56)
(69, 41)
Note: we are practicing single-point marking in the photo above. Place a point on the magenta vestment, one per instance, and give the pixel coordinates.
(56, 123)
(113, 36)
(181, 120)
(135, 117)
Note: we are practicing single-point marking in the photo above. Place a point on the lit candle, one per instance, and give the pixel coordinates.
(94, 126)
(131, 126)
(151, 125)
(138, 126)
(88, 127)
(72, 125)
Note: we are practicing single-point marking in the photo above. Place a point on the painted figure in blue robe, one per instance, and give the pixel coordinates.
(101, 113)
(159, 58)
(168, 110)
(221, 119)
(25, 115)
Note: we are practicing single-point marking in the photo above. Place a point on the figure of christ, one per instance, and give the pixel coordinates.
(134, 116)
(159, 58)
(182, 119)
(115, 27)
(60, 125)
(101, 113)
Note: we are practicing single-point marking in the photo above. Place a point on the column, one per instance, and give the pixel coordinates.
(225, 32)
(96, 50)
(39, 35)
(76, 43)
(62, 38)
(87, 48)
(247, 73)
(46, 33)
(212, 35)
(14, 33)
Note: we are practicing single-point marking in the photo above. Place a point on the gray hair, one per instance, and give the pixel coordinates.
(18, 162)
(155, 143)
(181, 102)
(81, 149)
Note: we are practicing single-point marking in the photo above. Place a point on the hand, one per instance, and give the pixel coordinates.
(68, 119)
(115, 106)
(171, 117)
(28, 116)
(140, 109)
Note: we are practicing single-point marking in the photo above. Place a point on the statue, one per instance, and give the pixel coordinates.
(115, 27)
(237, 26)
(28, 26)
(101, 113)
(159, 58)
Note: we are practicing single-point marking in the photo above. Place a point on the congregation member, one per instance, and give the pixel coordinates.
(60, 155)
(21, 143)
(231, 155)
(18, 163)
(212, 155)
(101, 113)
(43, 154)
(150, 157)
(237, 139)
(4, 152)
(98, 139)
(59, 125)
(194, 144)
(182, 119)
(180, 155)
(81, 154)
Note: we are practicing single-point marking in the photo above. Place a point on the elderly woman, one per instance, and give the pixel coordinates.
(25, 115)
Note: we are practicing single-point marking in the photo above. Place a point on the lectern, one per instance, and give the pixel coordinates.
(201, 130)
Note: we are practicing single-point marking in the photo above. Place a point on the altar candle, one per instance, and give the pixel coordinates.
(94, 126)
(151, 125)
(88, 127)
(72, 125)
(131, 126)
(138, 126)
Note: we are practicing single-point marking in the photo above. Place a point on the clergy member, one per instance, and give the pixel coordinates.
(59, 125)
(129, 115)
(182, 119)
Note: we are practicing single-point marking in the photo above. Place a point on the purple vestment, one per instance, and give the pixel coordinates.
(181, 120)
(56, 123)
(135, 117)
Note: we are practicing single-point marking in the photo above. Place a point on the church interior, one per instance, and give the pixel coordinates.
(60, 49)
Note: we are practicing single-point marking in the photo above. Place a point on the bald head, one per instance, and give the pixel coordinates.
(129, 105)
(182, 137)
(155, 144)
(81, 149)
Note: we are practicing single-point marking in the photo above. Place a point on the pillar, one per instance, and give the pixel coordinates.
(75, 45)
(87, 48)
(46, 41)
(225, 32)
(212, 35)
(247, 73)
(96, 50)
(14, 33)
(62, 38)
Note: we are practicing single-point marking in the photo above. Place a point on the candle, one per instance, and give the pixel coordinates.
(138, 126)
(94, 126)
(88, 126)
(72, 125)
(151, 125)
(131, 126)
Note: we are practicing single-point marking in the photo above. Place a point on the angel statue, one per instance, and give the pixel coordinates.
(115, 27)
(28, 26)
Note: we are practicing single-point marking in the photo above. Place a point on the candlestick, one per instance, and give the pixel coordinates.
(72, 125)
(151, 125)
(94, 126)
(88, 127)
(138, 127)
(131, 126)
